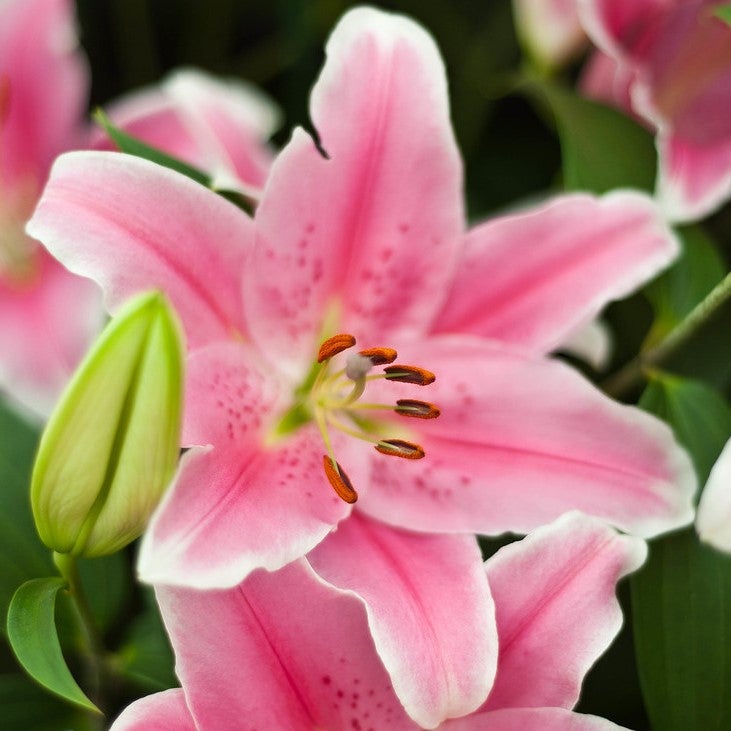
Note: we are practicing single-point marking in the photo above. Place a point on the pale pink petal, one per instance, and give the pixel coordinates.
(165, 711)
(714, 510)
(283, 651)
(47, 81)
(132, 225)
(411, 585)
(46, 325)
(370, 233)
(520, 441)
(242, 503)
(591, 343)
(556, 608)
(534, 277)
(605, 80)
(550, 30)
(231, 122)
(531, 719)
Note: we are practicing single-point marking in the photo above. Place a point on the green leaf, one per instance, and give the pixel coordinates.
(724, 13)
(677, 291)
(681, 599)
(602, 149)
(22, 555)
(33, 637)
(133, 146)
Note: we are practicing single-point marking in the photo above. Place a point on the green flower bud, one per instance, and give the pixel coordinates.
(111, 446)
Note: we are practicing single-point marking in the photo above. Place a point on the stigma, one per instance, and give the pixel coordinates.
(336, 402)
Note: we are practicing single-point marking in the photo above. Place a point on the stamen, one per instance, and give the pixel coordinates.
(416, 409)
(334, 345)
(339, 480)
(400, 448)
(379, 356)
(409, 374)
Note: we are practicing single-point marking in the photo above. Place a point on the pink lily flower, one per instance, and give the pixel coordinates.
(674, 58)
(713, 521)
(289, 650)
(221, 127)
(371, 242)
(550, 31)
(47, 315)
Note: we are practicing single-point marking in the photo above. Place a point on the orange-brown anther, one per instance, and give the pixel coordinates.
(416, 409)
(400, 448)
(334, 345)
(380, 356)
(339, 480)
(409, 374)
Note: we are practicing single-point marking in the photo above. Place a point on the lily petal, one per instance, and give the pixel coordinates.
(373, 232)
(165, 711)
(46, 325)
(411, 585)
(531, 719)
(47, 79)
(283, 651)
(534, 277)
(520, 441)
(241, 504)
(714, 511)
(132, 225)
(556, 608)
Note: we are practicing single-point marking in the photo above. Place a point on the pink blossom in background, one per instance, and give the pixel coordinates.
(289, 650)
(47, 316)
(220, 126)
(550, 31)
(674, 58)
(370, 241)
(714, 510)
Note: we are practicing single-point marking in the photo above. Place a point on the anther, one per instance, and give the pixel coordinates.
(416, 409)
(334, 345)
(339, 480)
(409, 374)
(379, 356)
(400, 448)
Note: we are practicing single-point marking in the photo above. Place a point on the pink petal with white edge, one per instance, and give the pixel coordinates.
(47, 79)
(411, 585)
(229, 512)
(240, 504)
(713, 522)
(376, 226)
(166, 711)
(132, 225)
(534, 277)
(520, 441)
(231, 121)
(556, 608)
(46, 325)
(282, 651)
(531, 719)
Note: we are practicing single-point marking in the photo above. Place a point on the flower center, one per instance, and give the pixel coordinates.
(332, 397)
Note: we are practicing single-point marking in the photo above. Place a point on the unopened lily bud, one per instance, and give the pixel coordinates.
(111, 446)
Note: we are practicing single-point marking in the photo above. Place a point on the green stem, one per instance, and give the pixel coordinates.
(95, 657)
(634, 372)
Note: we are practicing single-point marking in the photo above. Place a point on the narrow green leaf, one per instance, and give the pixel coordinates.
(602, 149)
(695, 273)
(681, 599)
(133, 146)
(724, 13)
(33, 637)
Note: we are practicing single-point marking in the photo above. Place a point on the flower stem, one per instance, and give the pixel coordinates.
(94, 657)
(634, 372)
